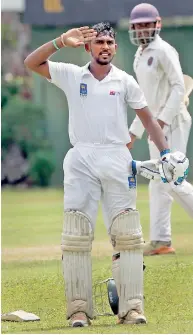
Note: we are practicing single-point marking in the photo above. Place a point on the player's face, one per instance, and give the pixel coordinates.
(103, 49)
(143, 31)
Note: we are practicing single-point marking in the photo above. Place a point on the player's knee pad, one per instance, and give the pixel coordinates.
(126, 237)
(116, 270)
(76, 247)
(77, 232)
(126, 232)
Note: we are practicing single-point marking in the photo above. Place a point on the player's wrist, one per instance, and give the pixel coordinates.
(62, 40)
(134, 167)
(164, 152)
(59, 42)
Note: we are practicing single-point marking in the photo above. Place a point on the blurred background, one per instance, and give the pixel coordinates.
(34, 113)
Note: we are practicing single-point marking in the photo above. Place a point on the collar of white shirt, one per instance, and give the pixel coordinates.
(114, 74)
(153, 45)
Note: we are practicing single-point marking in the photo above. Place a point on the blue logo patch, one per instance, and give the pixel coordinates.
(83, 90)
(132, 182)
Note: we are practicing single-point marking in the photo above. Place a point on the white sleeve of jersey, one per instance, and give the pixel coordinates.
(61, 73)
(169, 60)
(137, 127)
(134, 95)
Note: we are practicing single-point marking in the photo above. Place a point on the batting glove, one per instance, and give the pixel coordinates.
(148, 169)
(173, 167)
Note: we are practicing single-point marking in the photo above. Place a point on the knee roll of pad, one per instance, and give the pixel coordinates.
(77, 232)
(126, 232)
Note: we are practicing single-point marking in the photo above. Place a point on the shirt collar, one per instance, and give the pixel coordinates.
(113, 74)
(151, 46)
(155, 43)
(85, 69)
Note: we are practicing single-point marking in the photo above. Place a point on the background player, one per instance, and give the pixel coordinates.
(160, 76)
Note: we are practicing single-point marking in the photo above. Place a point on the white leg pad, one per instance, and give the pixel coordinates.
(183, 194)
(76, 247)
(126, 237)
(116, 272)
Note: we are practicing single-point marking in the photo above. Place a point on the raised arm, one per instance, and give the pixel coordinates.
(37, 61)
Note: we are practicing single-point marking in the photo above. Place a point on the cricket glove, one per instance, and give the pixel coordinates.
(148, 169)
(173, 167)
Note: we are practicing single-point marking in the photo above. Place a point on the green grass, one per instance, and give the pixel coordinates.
(32, 276)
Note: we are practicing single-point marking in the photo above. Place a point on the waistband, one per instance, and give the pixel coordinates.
(99, 145)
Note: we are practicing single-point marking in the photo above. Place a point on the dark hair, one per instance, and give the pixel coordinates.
(104, 28)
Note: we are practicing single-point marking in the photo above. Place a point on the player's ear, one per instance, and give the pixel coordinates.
(87, 47)
(116, 46)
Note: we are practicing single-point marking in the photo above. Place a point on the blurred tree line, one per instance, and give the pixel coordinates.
(26, 153)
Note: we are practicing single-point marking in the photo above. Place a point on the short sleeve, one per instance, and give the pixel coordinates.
(137, 128)
(61, 74)
(134, 95)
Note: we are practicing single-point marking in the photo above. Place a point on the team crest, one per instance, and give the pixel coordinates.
(132, 182)
(83, 90)
(150, 61)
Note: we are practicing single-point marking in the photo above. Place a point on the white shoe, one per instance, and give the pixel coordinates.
(79, 319)
(133, 317)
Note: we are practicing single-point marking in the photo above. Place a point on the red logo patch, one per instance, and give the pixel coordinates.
(112, 93)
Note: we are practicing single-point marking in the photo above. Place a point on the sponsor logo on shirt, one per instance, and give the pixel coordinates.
(114, 93)
(83, 90)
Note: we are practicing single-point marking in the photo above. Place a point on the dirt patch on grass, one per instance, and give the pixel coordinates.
(100, 249)
(45, 252)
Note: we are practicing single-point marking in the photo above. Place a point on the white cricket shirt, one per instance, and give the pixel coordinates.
(160, 77)
(97, 109)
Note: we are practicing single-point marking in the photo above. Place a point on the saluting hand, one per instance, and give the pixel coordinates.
(78, 36)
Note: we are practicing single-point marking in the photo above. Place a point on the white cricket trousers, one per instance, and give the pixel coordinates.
(98, 172)
(160, 200)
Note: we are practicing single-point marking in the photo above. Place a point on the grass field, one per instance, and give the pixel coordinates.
(32, 277)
